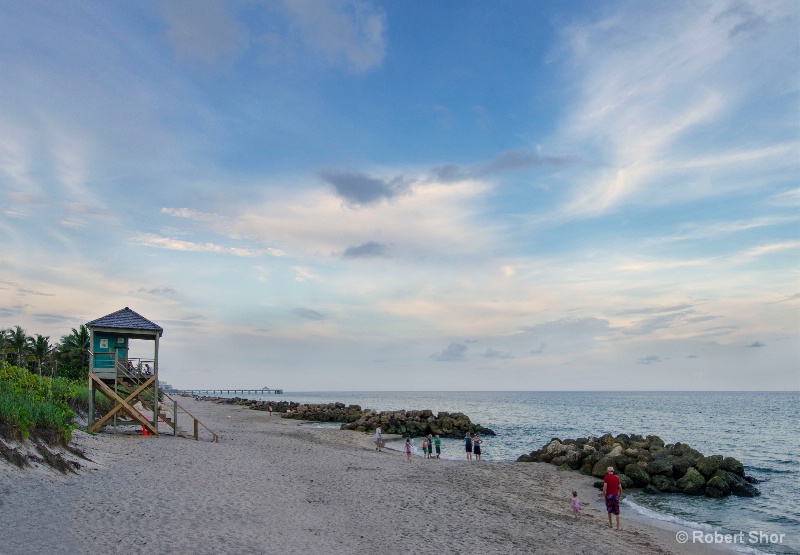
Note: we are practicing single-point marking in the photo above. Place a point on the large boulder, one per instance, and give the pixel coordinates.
(660, 465)
(692, 483)
(664, 483)
(707, 466)
(682, 457)
(638, 475)
(718, 485)
(601, 467)
(729, 464)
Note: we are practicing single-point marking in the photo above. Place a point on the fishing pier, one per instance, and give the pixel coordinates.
(204, 392)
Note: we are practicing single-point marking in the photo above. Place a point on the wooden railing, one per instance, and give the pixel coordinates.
(197, 424)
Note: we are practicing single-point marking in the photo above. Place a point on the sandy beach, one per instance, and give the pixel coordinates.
(273, 485)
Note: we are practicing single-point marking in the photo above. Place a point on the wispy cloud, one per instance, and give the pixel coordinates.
(371, 249)
(495, 354)
(453, 353)
(308, 314)
(766, 250)
(650, 359)
(156, 241)
(647, 99)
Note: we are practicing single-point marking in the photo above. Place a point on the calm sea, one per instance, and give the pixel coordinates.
(758, 428)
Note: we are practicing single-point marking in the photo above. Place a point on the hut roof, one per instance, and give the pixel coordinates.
(127, 320)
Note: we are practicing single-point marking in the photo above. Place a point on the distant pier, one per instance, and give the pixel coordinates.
(262, 391)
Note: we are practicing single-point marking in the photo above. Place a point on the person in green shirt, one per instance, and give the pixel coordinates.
(438, 443)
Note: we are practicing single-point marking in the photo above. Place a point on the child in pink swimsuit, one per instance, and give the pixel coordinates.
(576, 505)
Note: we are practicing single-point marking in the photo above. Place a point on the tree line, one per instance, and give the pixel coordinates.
(69, 358)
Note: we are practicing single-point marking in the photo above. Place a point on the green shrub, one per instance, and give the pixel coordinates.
(30, 401)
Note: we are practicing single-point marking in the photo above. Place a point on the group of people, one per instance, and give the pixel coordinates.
(472, 445)
(612, 490)
(429, 444)
(139, 370)
(433, 445)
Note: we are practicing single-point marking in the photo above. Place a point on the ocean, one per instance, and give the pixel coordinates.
(758, 428)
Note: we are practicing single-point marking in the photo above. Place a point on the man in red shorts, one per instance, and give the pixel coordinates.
(612, 489)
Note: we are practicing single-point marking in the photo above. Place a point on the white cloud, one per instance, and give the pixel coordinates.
(156, 241)
(434, 220)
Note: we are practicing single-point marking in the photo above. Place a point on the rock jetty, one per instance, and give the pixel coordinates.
(418, 423)
(647, 463)
(403, 422)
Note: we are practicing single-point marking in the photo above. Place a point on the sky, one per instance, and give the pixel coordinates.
(336, 195)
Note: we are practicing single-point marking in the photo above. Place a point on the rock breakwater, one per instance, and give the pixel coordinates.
(353, 417)
(647, 463)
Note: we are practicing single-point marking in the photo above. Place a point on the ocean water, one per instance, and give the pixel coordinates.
(758, 428)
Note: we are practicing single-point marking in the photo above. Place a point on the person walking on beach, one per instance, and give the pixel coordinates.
(468, 446)
(378, 439)
(430, 446)
(612, 489)
(476, 446)
(424, 448)
(438, 443)
(576, 505)
(408, 449)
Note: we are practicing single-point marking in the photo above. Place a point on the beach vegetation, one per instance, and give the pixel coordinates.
(32, 402)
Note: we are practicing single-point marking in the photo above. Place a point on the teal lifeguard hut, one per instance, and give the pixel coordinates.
(124, 380)
(130, 383)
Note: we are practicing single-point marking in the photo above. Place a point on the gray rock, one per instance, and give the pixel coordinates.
(692, 483)
(601, 466)
(664, 483)
(638, 475)
(660, 466)
(707, 466)
(730, 464)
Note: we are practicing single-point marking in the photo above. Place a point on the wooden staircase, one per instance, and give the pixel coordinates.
(132, 389)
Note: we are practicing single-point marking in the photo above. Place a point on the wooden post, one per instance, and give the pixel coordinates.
(196, 430)
(91, 402)
(155, 385)
(175, 418)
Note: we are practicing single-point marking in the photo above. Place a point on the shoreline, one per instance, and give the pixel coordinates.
(278, 484)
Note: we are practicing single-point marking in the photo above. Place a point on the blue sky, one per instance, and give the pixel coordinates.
(338, 195)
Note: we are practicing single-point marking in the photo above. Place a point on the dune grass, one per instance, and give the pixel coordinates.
(29, 401)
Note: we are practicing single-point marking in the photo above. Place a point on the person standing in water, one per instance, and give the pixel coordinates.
(468, 446)
(378, 438)
(476, 446)
(438, 443)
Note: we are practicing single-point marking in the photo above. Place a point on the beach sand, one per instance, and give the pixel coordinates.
(273, 485)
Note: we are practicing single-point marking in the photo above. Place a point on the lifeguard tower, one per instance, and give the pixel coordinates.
(129, 383)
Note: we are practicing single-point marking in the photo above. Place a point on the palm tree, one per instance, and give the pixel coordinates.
(40, 349)
(77, 344)
(19, 343)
